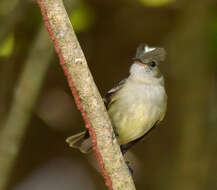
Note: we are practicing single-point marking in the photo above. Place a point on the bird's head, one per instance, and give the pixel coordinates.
(147, 60)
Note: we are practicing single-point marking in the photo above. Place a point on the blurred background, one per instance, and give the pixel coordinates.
(37, 111)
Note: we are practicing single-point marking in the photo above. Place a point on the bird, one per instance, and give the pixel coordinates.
(137, 104)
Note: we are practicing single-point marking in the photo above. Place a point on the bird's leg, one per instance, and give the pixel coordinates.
(115, 131)
(127, 146)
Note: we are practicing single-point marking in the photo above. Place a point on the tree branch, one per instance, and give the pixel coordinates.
(24, 99)
(86, 95)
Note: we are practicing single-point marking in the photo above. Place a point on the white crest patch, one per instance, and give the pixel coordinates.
(147, 49)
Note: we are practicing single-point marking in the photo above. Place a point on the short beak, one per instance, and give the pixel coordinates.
(140, 63)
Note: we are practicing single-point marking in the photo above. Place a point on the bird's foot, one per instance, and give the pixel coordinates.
(116, 133)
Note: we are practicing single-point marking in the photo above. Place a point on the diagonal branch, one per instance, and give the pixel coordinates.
(86, 95)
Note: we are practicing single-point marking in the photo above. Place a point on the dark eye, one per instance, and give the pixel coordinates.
(152, 64)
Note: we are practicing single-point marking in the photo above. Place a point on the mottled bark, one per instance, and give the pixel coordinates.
(86, 95)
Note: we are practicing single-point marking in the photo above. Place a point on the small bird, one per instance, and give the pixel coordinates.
(137, 104)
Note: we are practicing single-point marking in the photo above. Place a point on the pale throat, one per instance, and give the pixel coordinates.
(141, 73)
(138, 69)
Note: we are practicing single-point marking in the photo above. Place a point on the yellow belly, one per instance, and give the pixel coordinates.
(136, 108)
(132, 122)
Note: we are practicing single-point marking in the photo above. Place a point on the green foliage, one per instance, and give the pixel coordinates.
(82, 17)
(212, 35)
(213, 31)
(6, 47)
(156, 3)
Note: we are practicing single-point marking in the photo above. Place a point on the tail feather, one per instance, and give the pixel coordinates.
(80, 141)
